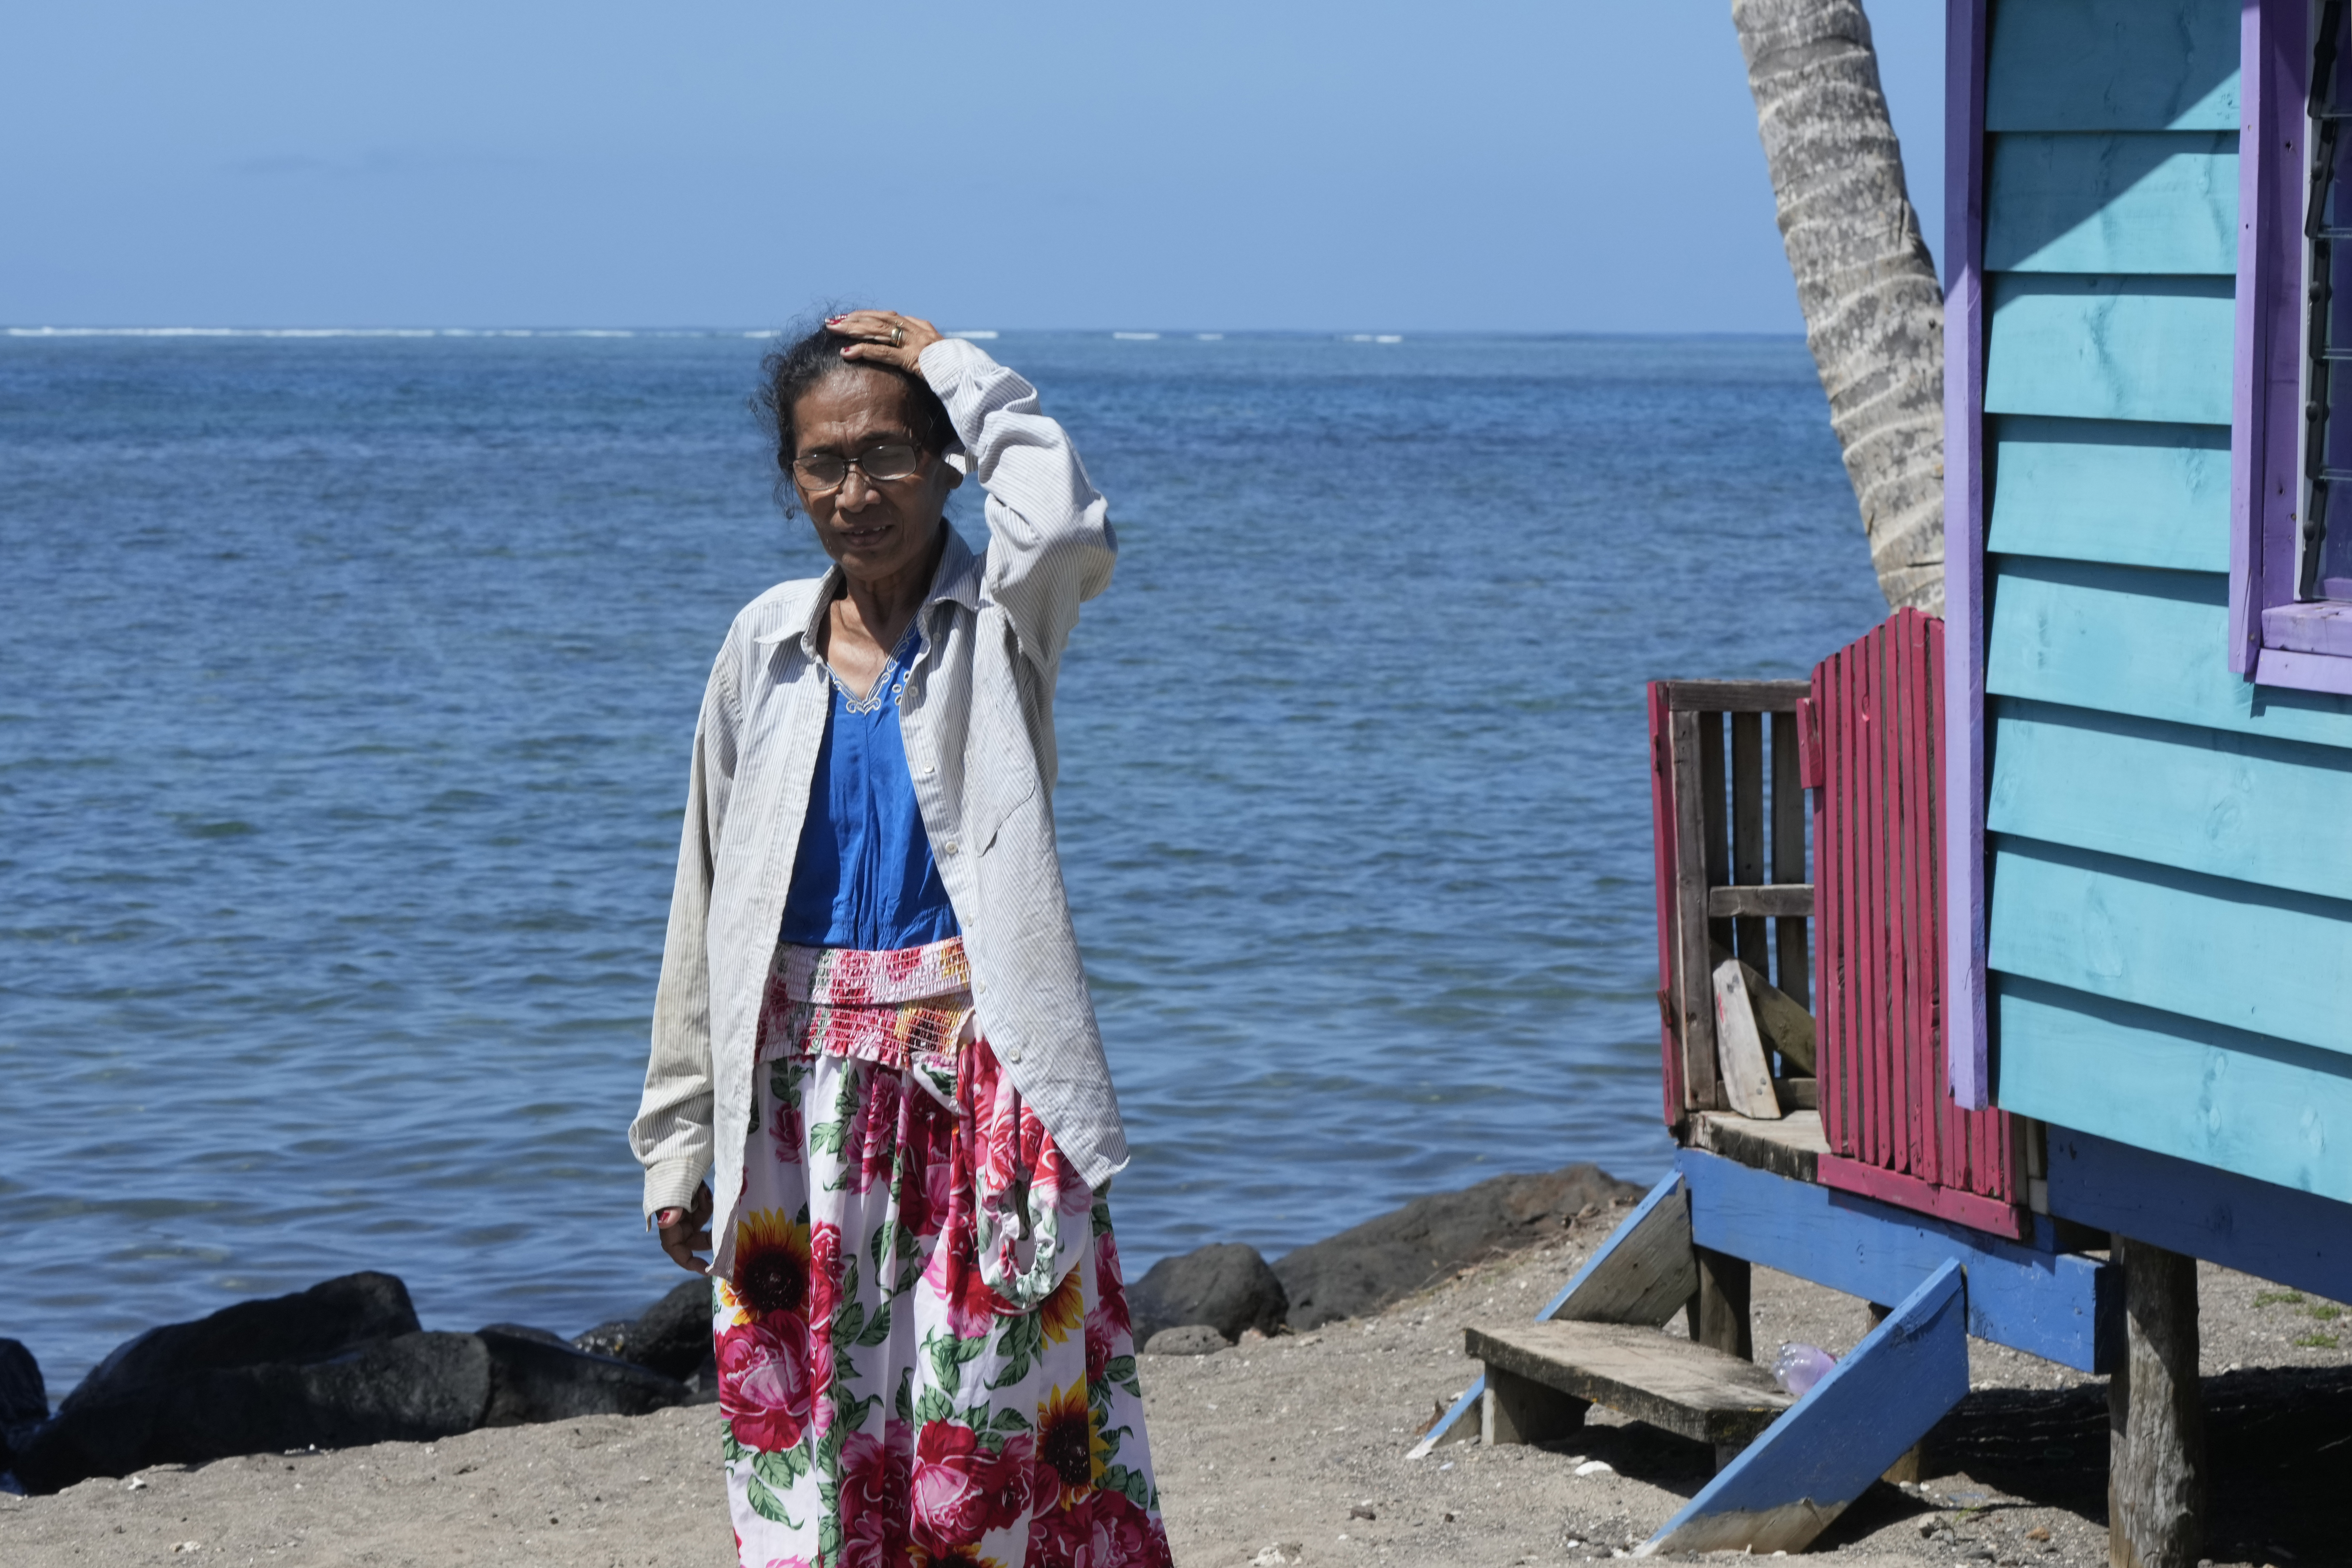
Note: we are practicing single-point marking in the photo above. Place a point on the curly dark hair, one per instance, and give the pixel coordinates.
(810, 352)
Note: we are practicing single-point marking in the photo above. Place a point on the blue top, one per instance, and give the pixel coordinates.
(865, 877)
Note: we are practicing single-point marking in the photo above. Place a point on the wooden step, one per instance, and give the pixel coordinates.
(1699, 1393)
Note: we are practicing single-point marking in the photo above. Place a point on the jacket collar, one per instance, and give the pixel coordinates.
(802, 614)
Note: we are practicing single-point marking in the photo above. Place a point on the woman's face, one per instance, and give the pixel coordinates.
(873, 529)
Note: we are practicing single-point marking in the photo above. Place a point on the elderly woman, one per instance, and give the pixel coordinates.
(872, 1020)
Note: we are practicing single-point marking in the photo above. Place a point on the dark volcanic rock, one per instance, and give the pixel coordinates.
(525, 1332)
(414, 1387)
(1226, 1286)
(672, 1336)
(325, 1320)
(537, 1378)
(1381, 1260)
(24, 1397)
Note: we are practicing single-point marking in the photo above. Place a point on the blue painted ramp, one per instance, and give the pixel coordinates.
(1789, 1484)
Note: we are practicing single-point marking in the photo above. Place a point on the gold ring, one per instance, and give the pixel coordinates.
(897, 336)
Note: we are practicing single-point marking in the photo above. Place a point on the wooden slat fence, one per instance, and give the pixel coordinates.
(1728, 828)
(1872, 757)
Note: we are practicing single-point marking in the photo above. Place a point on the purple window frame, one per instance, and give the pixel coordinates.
(2275, 640)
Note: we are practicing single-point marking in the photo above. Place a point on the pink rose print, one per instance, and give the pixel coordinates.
(1111, 1286)
(764, 1388)
(874, 1499)
(875, 1133)
(1103, 1531)
(960, 1490)
(824, 1274)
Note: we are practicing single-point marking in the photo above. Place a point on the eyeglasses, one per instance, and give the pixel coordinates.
(822, 471)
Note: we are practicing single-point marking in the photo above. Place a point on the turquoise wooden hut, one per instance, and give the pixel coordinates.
(2068, 944)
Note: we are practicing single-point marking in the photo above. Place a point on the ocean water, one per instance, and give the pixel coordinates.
(346, 686)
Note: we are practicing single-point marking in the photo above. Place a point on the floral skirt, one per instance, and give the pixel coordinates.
(924, 1354)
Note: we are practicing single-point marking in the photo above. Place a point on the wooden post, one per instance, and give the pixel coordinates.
(2156, 1419)
(1717, 1314)
(1907, 1468)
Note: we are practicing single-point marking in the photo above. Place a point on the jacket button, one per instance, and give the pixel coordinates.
(1013, 1053)
(949, 847)
(926, 770)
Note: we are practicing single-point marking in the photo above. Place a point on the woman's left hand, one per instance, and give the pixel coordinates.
(885, 337)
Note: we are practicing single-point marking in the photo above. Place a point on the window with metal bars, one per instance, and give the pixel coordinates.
(2324, 563)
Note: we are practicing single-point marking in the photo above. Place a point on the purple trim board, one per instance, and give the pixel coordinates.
(2274, 641)
(1966, 1056)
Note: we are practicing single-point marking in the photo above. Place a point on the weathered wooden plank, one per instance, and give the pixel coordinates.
(2111, 347)
(2112, 65)
(2111, 491)
(1739, 1046)
(1792, 1483)
(2262, 958)
(1685, 1388)
(1791, 1147)
(1792, 950)
(2210, 1098)
(1731, 696)
(1694, 988)
(2165, 202)
(2247, 807)
(1715, 814)
(2290, 1234)
(1765, 898)
(2131, 641)
(2059, 1306)
(1787, 1027)
(1661, 869)
(1645, 1270)
(1747, 828)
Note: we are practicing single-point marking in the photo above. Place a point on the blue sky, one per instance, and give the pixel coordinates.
(1576, 166)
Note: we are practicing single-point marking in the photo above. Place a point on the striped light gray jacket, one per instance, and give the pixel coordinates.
(978, 719)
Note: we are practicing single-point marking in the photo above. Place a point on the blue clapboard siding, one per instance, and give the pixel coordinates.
(2112, 65)
(2243, 806)
(2198, 1091)
(2111, 347)
(2255, 958)
(2131, 641)
(2268, 1229)
(2141, 201)
(2104, 490)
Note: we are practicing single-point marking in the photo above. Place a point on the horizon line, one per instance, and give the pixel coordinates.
(1385, 334)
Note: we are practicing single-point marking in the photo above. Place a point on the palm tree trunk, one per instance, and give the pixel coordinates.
(1873, 312)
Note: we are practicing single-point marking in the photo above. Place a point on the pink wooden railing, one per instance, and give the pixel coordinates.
(1871, 752)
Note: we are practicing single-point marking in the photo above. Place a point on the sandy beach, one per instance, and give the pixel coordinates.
(1296, 1444)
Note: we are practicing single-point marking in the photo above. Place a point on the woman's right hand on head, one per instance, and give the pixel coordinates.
(687, 1231)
